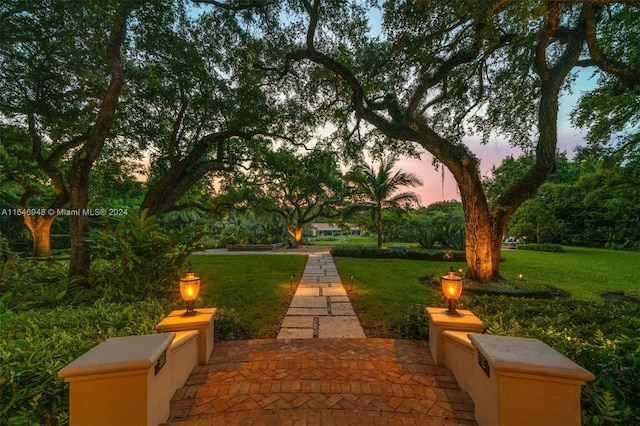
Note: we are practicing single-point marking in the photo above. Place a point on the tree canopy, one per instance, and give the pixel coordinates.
(298, 188)
(198, 90)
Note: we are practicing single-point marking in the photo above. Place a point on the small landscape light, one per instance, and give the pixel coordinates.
(351, 280)
(452, 288)
(520, 277)
(189, 289)
(291, 282)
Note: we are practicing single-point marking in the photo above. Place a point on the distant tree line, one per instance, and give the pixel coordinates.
(590, 201)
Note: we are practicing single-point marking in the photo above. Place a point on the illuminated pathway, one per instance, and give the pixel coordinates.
(320, 307)
(321, 370)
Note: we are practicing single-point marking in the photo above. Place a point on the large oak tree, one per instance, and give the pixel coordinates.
(299, 188)
(196, 105)
(61, 79)
(440, 71)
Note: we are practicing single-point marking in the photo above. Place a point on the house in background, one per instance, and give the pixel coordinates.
(329, 229)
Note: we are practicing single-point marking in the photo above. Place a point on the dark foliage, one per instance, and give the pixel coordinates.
(554, 248)
(397, 252)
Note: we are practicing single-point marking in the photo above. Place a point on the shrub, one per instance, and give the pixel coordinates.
(228, 325)
(426, 236)
(34, 283)
(602, 337)
(414, 326)
(33, 348)
(248, 229)
(453, 236)
(396, 252)
(138, 260)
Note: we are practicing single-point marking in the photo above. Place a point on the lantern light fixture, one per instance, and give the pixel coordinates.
(452, 289)
(189, 289)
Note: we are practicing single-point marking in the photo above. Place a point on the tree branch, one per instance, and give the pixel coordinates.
(457, 59)
(239, 5)
(611, 66)
(173, 139)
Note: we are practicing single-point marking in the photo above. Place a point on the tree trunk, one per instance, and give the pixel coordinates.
(78, 201)
(379, 225)
(295, 232)
(483, 230)
(84, 158)
(40, 229)
(40, 225)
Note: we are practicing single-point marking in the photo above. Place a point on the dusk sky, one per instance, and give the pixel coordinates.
(494, 152)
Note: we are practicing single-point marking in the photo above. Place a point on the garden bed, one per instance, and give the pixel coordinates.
(506, 288)
(619, 296)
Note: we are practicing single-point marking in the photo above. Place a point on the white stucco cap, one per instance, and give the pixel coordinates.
(119, 354)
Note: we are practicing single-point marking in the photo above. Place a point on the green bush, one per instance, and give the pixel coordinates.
(453, 236)
(414, 326)
(600, 336)
(426, 236)
(229, 325)
(137, 259)
(553, 248)
(396, 252)
(33, 283)
(33, 348)
(248, 229)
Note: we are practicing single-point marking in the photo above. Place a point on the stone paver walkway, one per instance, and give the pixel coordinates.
(320, 307)
(321, 382)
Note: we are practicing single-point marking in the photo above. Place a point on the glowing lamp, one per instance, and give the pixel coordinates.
(189, 289)
(451, 288)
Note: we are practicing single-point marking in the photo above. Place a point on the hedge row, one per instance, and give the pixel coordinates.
(398, 252)
(554, 248)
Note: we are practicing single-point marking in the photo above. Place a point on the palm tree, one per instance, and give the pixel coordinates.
(377, 191)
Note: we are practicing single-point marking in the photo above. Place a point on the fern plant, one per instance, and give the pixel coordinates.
(137, 259)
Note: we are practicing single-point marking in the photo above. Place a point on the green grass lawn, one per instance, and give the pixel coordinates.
(256, 287)
(386, 290)
(251, 289)
(584, 272)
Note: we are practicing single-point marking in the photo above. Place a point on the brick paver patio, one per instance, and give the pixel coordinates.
(321, 382)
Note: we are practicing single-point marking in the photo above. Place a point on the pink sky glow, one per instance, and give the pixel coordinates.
(495, 151)
(491, 155)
